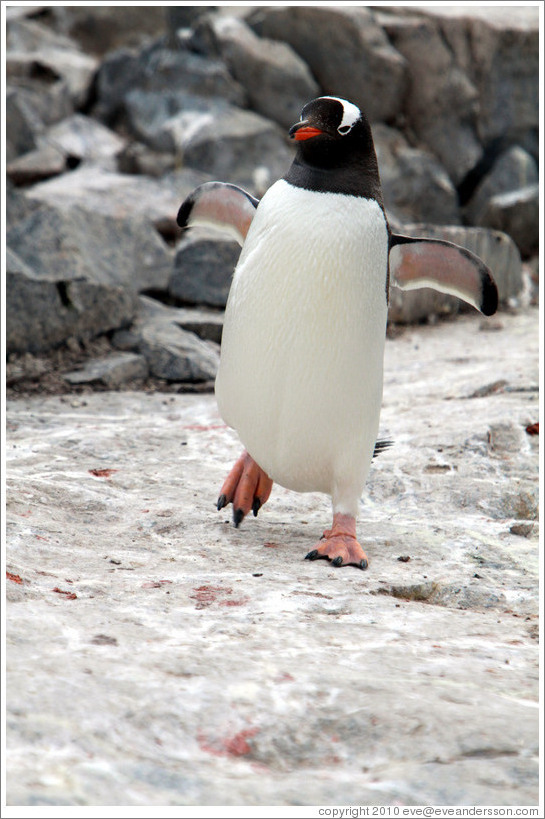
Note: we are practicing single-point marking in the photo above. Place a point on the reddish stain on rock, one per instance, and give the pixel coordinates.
(206, 595)
(102, 473)
(533, 429)
(236, 745)
(240, 602)
(67, 595)
(14, 577)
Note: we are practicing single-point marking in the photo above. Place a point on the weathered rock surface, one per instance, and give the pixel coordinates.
(72, 243)
(43, 313)
(277, 81)
(111, 371)
(182, 662)
(348, 53)
(108, 193)
(414, 184)
(175, 348)
(203, 269)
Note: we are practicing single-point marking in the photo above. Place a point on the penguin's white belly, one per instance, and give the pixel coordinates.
(301, 367)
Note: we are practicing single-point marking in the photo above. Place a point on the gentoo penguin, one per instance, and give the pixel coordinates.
(301, 371)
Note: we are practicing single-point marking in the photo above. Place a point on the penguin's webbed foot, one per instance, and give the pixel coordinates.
(247, 487)
(339, 544)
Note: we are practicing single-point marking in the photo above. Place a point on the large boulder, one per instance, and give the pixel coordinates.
(69, 244)
(441, 102)
(346, 50)
(516, 213)
(474, 77)
(42, 313)
(172, 352)
(210, 135)
(515, 168)
(278, 82)
(203, 269)
(158, 71)
(416, 187)
(119, 195)
(36, 50)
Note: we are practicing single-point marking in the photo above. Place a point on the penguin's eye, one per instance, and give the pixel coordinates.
(344, 129)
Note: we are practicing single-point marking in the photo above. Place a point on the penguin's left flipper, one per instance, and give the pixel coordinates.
(219, 205)
(443, 266)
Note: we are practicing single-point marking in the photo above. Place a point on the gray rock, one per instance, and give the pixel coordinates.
(277, 81)
(54, 54)
(347, 52)
(82, 138)
(235, 146)
(105, 192)
(42, 100)
(174, 354)
(20, 126)
(517, 214)
(160, 71)
(37, 165)
(111, 372)
(99, 29)
(513, 169)
(415, 185)
(136, 158)
(183, 17)
(42, 314)
(495, 248)
(441, 102)
(225, 142)
(206, 324)
(71, 243)
(505, 59)
(203, 269)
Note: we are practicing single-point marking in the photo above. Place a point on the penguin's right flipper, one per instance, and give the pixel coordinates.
(219, 205)
(443, 266)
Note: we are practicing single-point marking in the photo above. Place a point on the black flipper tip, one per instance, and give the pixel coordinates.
(238, 516)
(222, 501)
(182, 219)
(489, 301)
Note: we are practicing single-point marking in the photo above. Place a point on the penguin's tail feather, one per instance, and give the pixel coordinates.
(380, 446)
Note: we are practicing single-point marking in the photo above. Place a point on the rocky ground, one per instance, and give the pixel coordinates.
(157, 656)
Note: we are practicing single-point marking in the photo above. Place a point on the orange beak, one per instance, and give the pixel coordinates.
(302, 131)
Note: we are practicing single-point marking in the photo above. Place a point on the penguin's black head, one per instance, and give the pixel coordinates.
(334, 138)
(331, 127)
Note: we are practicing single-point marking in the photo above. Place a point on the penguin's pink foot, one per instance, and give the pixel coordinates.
(247, 487)
(339, 544)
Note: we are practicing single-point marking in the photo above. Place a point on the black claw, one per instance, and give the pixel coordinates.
(238, 516)
(338, 561)
(363, 564)
(313, 555)
(222, 501)
(256, 506)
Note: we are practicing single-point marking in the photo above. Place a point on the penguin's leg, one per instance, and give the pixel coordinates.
(247, 487)
(339, 544)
